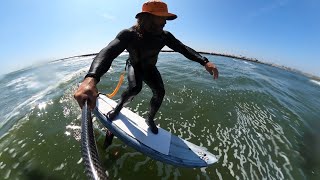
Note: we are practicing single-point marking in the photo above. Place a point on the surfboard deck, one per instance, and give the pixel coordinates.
(164, 146)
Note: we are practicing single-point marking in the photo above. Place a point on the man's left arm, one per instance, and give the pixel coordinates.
(191, 54)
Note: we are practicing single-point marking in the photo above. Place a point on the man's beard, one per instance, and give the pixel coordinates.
(155, 29)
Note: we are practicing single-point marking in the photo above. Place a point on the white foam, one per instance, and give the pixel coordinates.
(23, 82)
(316, 82)
(32, 101)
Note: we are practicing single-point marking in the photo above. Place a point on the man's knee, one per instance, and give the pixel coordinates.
(135, 90)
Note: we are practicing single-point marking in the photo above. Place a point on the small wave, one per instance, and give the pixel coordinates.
(316, 82)
(24, 82)
(33, 101)
(246, 62)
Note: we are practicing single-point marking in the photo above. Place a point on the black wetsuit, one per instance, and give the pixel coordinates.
(143, 56)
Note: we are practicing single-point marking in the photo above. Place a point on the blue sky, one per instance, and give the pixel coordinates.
(285, 32)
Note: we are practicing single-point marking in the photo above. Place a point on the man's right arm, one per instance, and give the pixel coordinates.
(103, 60)
(87, 90)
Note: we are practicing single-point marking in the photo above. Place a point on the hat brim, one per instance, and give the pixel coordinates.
(169, 16)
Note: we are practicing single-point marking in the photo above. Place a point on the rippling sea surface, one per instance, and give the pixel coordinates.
(262, 122)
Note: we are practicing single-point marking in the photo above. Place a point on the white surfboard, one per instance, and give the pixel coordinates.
(164, 146)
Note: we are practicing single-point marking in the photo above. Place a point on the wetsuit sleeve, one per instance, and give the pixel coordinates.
(188, 52)
(102, 62)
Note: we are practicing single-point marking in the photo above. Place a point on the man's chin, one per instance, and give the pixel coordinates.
(157, 32)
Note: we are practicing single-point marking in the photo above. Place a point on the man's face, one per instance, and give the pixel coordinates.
(157, 24)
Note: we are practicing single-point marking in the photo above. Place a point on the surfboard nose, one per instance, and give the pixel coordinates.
(203, 154)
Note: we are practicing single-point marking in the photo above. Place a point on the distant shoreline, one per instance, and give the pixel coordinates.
(314, 77)
(235, 57)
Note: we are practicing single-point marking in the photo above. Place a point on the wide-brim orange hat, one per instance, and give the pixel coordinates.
(158, 8)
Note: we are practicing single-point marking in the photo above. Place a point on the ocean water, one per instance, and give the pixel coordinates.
(260, 121)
